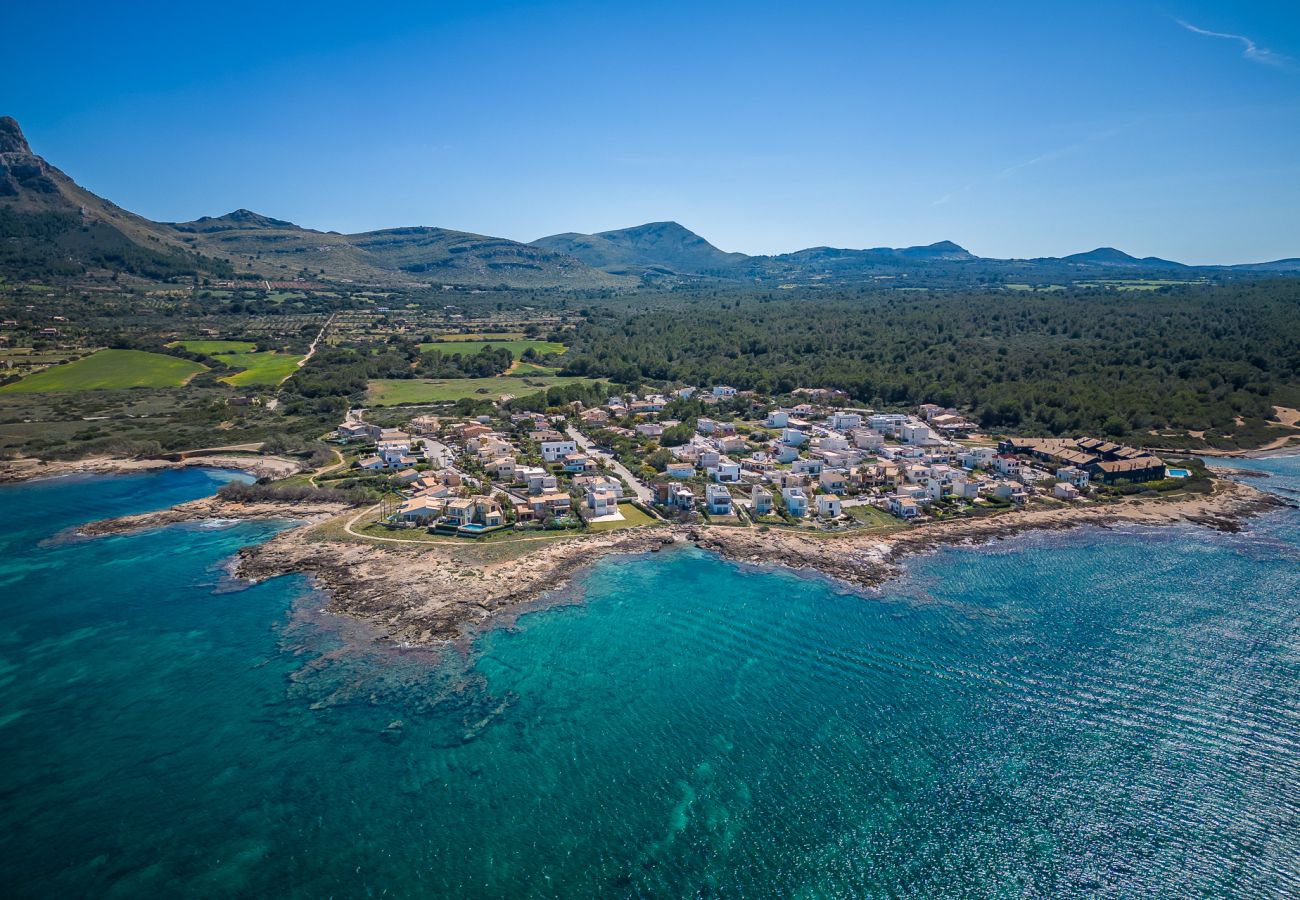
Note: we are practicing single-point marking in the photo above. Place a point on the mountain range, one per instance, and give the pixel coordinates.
(52, 227)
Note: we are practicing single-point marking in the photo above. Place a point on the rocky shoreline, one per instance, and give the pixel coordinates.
(28, 468)
(215, 508)
(431, 592)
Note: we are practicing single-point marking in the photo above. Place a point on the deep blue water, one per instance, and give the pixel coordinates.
(1099, 713)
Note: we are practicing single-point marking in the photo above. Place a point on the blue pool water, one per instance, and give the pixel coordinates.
(1097, 713)
(1177, 473)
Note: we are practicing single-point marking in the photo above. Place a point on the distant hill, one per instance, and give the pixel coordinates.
(50, 225)
(403, 255)
(667, 249)
(1277, 265)
(655, 247)
(1109, 256)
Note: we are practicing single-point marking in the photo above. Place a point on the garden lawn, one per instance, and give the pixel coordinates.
(632, 517)
(869, 515)
(110, 370)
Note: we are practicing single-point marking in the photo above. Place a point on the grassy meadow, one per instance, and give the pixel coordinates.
(110, 370)
(266, 367)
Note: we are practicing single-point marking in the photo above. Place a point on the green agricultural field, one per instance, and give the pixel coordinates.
(516, 348)
(393, 391)
(266, 367)
(110, 370)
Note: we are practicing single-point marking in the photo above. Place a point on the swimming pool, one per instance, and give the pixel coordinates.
(1176, 473)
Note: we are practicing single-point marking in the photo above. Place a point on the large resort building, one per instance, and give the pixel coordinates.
(1105, 461)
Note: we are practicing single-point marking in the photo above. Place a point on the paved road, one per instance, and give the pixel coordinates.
(643, 493)
(442, 454)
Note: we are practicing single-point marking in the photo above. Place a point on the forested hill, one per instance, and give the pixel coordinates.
(1149, 365)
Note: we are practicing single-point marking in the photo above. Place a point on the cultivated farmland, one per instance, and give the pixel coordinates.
(110, 370)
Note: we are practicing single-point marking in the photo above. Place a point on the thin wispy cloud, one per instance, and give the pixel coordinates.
(1250, 49)
(1046, 156)
(1041, 158)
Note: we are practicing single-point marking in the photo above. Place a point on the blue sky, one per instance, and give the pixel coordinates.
(1022, 130)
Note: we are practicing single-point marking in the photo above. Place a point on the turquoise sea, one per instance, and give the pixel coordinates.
(1090, 714)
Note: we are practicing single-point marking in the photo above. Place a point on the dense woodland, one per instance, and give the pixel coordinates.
(1159, 367)
(1111, 362)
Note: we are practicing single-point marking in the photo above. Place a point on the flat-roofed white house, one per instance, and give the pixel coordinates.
(965, 490)
(828, 506)
(845, 421)
(917, 433)
(679, 470)
(796, 501)
(599, 483)
(602, 503)
(807, 467)
(725, 472)
(723, 390)
(868, 439)
(777, 418)
(540, 482)
(977, 457)
(793, 437)
(718, 500)
(553, 451)
(760, 500)
(393, 451)
(887, 423)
